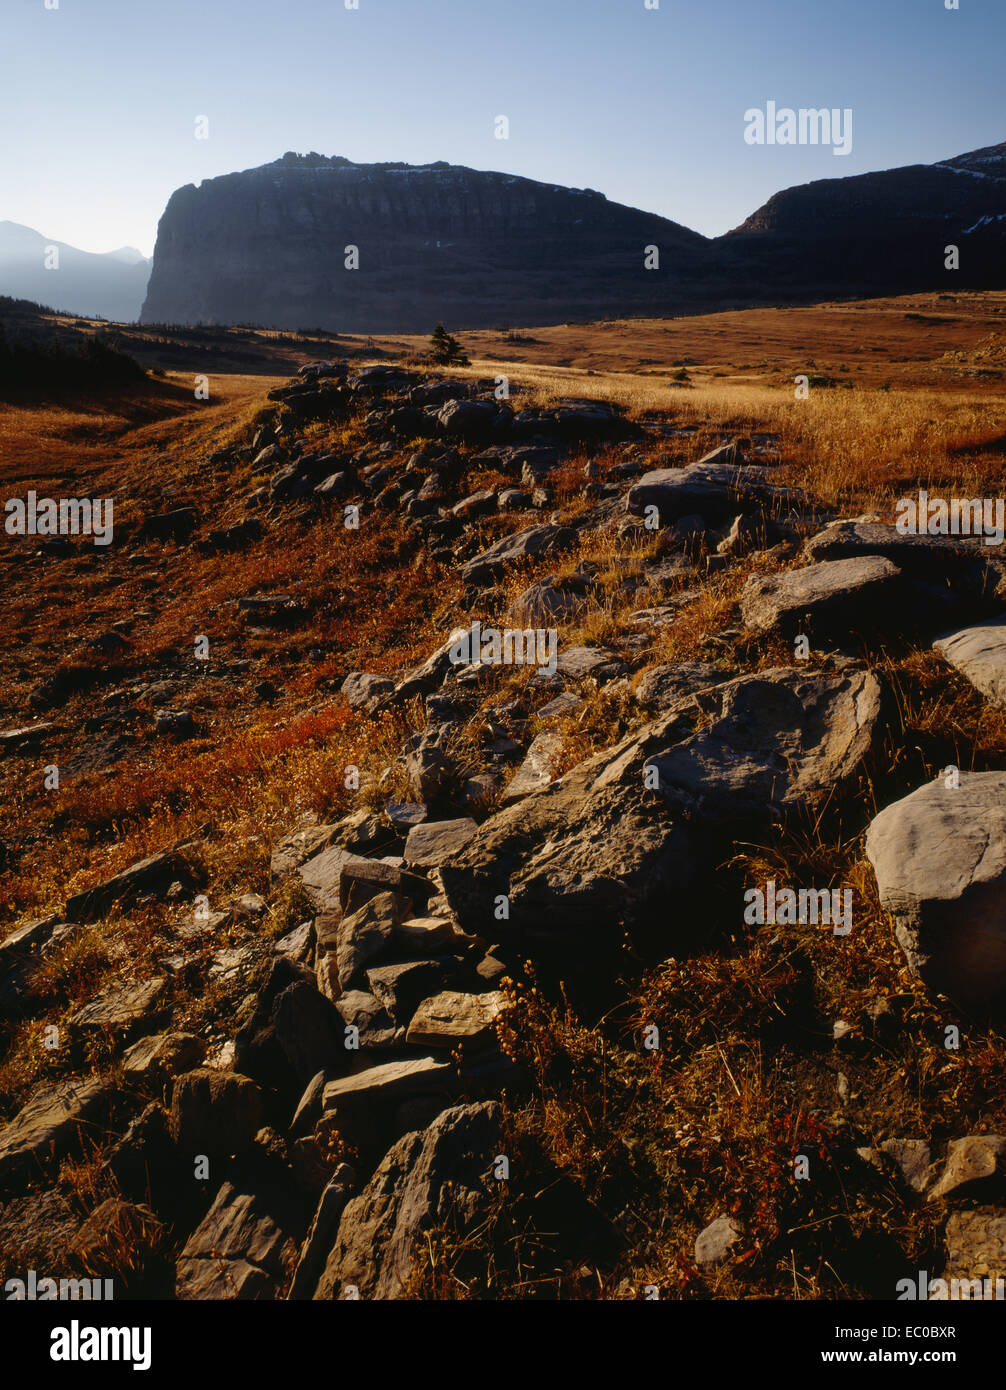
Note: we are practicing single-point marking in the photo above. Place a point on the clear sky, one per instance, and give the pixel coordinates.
(99, 98)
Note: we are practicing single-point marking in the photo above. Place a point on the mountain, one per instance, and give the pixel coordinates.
(481, 249)
(877, 233)
(111, 285)
(436, 241)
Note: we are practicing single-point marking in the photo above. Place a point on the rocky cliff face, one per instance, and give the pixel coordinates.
(439, 241)
(435, 241)
(878, 233)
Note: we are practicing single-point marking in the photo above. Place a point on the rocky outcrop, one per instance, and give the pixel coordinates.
(269, 245)
(440, 241)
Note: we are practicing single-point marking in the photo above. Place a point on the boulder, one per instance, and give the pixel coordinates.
(449, 1019)
(544, 603)
(214, 1112)
(375, 1027)
(49, 1126)
(429, 844)
(166, 1054)
(365, 691)
(429, 772)
(713, 491)
(969, 1160)
(366, 934)
(367, 1106)
(240, 1250)
(321, 876)
(321, 1236)
(577, 662)
(774, 741)
(939, 855)
(922, 555)
(299, 845)
(833, 598)
(599, 847)
(663, 686)
(444, 1173)
(470, 421)
(979, 653)
(308, 1029)
(401, 987)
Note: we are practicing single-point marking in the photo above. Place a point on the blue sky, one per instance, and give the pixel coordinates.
(99, 98)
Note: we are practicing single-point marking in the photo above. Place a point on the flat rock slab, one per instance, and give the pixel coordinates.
(13, 739)
(979, 653)
(930, 556)
(714, 491)
(534, 772)
(388, 1084)
(834, 597)
(429, 844)
(146, 876)
(120, 1007)
(239, 1251)
(532, 544)
(27, 940)
(577, 662)
(775, 741)
(300, 845)
(450, 1018)
(48, 1126)
(969, 1160)
(939, 855)
(564, 704)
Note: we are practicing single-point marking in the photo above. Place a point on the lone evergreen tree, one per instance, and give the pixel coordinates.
(445, 349)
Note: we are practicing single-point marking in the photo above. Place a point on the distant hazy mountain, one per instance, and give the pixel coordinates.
(111, 285)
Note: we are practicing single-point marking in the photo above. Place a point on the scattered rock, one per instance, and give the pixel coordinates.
(714, 1244)
(450, 1018)
(835, 597)
(969, 1160)
(939, 855)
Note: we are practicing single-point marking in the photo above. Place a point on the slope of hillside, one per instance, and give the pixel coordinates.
(880, 233)
(303, 897)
